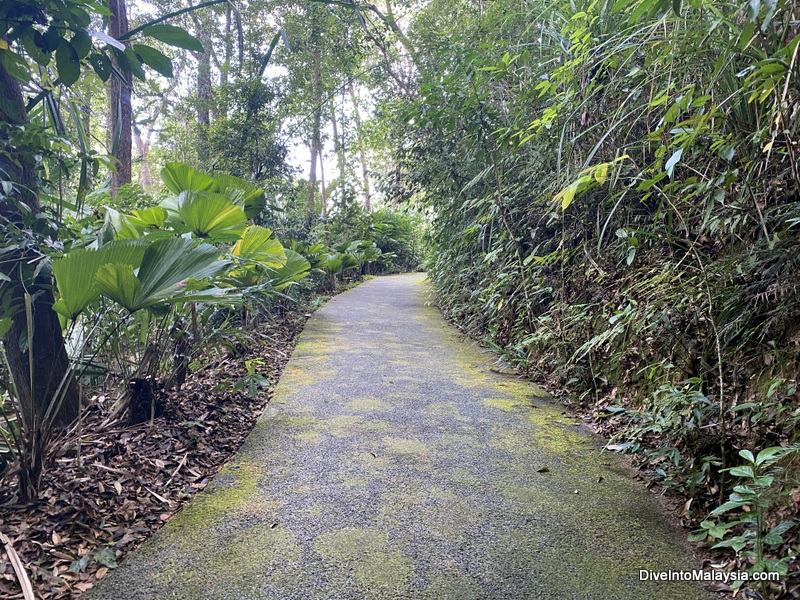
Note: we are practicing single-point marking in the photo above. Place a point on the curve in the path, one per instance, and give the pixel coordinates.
(392, 463)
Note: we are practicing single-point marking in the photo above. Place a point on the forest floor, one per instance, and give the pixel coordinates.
(392, 462)
(130, 480)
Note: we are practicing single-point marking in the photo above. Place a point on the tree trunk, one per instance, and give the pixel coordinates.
(316, 135)
(360, 142)
(322, 184)
(203, 92)
(337, 146)
(119, 103)
(50, 361)
(312, 182)
(86, 119)
(143, 148)
(226, 67)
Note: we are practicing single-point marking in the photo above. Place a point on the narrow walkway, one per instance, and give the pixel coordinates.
(393, 464)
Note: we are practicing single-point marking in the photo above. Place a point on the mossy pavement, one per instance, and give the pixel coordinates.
(392, 463)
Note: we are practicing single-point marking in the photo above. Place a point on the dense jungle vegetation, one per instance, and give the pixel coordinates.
(604, 192)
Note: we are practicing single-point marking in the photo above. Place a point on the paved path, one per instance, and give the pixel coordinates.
(393, 464)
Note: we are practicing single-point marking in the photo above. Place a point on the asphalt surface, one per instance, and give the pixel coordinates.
(393, 463)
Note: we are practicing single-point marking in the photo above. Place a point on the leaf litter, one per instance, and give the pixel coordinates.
(131, 480)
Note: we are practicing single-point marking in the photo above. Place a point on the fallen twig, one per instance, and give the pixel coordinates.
(19, 569)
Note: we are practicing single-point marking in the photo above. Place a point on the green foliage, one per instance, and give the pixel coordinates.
(245, 141)
(295, 269)
(252, 381)
(614, 206)
(59, 33)
(752, 498)
(76, 273)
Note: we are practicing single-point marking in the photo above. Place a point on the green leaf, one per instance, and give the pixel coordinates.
(728, 506)
(134, 64)
(75, 273)
(180, 177)
(154, 216)
(67, 63)
(105, 556)
(212, 215)
(154, 59)
(15, 66)
(745, 471)
(747, 455)
(768, 454)
(118, 282)
(168, 264)
(295, 269)
(101, 65)
(243, 193)
(82, 43)
(51, 38)
(33, 42)
(5, 325)
(257, 244)
(737, 543)
(698, 536)
(174, 36)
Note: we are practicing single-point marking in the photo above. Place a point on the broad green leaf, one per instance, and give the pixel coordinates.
(180, 177)
(257, 244)
(51, 38)
(67, 63)
(747, 455)
(122, 227)
(243, 193)
(770, 453)
(154, 216)
(118, 282)
(33, 42)
(174, 36)
(332, 264)
(101, 65)
(728, 506)
(75, 273)
(154, 59)
(168, 265)
(212, 215)
(82, 43)
(744, 471)
(567, 195)
(295, 269)
(134, 64)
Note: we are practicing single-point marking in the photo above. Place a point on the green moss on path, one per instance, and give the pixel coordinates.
(392, 463)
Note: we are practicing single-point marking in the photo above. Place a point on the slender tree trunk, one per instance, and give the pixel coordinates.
(322, 184)
(119, 103)
(362, 157)
(226, 67)
(50, 362)
(312, 182)
(86, 119)
(143, 148)
(316, 135)
(337, 144)
(203, 92)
